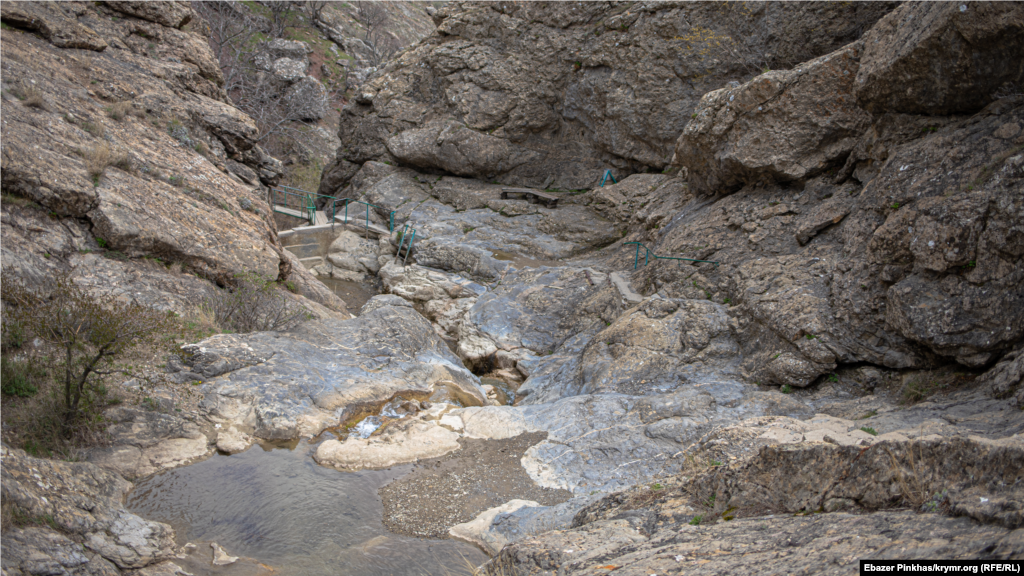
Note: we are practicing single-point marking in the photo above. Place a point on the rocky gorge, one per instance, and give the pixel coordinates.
(785, 334)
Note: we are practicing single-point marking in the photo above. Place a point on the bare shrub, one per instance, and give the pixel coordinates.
(256, 304)
(279, 17)
(88, 335)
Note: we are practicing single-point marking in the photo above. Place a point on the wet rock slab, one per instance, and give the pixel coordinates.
(442, 492)
(283, 385)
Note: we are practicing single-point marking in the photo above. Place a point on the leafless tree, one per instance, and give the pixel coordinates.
(375, 18)
(252, 87)
(316, 9)
(279, 12)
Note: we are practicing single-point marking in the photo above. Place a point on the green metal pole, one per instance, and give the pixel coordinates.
(647, 253)
(636, 259)
(408, 248)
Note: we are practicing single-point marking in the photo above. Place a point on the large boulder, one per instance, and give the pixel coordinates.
(783, 125)
(167, 13)
(52, 23)
(458, 149)
(942, 57)
(308, 97)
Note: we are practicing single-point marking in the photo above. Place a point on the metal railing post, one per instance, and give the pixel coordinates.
(408, 248)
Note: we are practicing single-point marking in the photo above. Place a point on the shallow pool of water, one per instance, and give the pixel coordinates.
(276, 505)
(520, 261)
(355, 294)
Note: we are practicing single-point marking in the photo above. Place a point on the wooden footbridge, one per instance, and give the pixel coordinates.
(352, 213)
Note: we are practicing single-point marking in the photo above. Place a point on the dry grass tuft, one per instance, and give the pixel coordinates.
(97, 157)
(912, 486)
(94, 128)
(6, 515)
(30, 95)
(121, 160)
(119, 110)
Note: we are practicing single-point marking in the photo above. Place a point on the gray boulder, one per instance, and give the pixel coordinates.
(166, 13)
(942, 57)
(774, 125)
(287, 70)
(308, 97)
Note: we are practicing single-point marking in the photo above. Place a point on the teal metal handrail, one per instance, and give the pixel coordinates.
(347, 201)
(648, 253)
(606, 176)
(401, 240)
(307, 204)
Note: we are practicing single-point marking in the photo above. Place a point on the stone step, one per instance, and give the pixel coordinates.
(304, 250)
(622, 285)
(311, 262)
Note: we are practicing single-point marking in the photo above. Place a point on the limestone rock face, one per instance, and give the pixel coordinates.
(942, 58)
(53, 23)
(784, 125)
(476, 530)
(459, 150)
(112, 536)
(145, 442)
(660, 346)
(322, 373)
(167, 13)
(405, 442)
(291, 49)
(524, 93)
(309, 95)
(657, 527)
(133, 149)
(287, 70)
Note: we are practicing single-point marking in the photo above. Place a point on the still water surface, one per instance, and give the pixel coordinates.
(276, 505)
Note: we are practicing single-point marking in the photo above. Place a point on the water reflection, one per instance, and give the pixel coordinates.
(278, 506)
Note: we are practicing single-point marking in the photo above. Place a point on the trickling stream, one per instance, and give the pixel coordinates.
(276, 505)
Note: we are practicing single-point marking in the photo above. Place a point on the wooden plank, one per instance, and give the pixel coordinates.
(527, 191)
(289, 211)
(320, 218)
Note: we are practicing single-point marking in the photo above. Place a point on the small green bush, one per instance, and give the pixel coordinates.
(786, 389)
(869, 430)
(695, 521)
(88, 334)
(17, 377)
